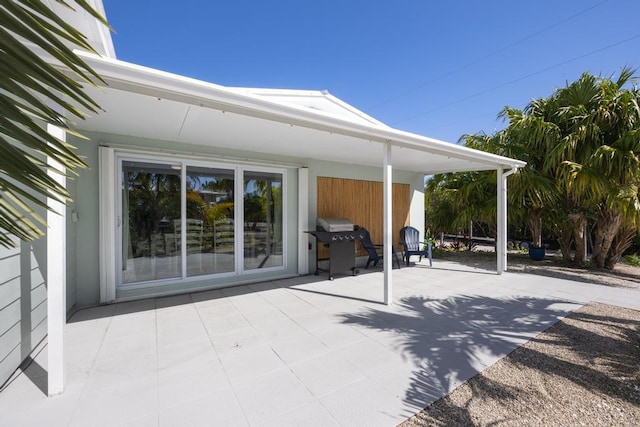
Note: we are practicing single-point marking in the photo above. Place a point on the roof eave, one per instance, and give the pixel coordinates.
(136, 78)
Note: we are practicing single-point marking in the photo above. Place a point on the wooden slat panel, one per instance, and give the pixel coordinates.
(362, 203)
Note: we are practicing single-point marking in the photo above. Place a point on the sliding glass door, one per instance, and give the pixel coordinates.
(263, 218)
(209, 224)
(182, 220)
(150, 207)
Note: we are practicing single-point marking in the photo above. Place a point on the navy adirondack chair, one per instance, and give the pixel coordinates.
(410, 238)
(372, 250)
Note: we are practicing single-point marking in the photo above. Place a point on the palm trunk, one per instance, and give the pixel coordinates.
(566, 238)
(535, 226)
(578, 223)
(620, 243)
(607, 227)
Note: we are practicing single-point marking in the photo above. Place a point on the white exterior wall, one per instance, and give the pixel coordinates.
(84, 281)
(416, 213)
(23, 303)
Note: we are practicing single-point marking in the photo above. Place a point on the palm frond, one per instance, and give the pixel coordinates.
(32, 91)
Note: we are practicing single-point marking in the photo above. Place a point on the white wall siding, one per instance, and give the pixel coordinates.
(23, 308)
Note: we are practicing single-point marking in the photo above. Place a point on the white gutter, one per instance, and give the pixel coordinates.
(510, 172)
(148, 81)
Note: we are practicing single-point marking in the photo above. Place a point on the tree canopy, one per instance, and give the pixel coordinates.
(582, 148)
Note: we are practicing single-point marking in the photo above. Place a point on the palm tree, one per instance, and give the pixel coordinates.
(607, 169)
(29, 87)
(576, 142)
(529, 137)
(454, 200)
(530, 190)
(582, 148)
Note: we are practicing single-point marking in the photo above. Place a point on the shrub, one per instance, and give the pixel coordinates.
(632, 259)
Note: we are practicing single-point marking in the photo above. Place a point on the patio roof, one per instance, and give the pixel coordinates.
(149, 103)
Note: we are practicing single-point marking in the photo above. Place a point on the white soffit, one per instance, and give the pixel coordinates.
(132, 114)
(149, 103)
(314, 100)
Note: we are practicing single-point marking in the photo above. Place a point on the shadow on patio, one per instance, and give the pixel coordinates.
(452, 339)
(591, 354)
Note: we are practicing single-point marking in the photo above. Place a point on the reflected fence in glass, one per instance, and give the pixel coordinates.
(157, 235)
(150, 207)
(263, 219)
(210, 237)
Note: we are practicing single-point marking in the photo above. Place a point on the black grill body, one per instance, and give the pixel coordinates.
(342, 251)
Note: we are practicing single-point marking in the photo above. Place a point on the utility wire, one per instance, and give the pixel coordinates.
(516, 80)
(457, 122)
(463, 67)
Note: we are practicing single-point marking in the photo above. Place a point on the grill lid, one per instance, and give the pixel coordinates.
(334, 224)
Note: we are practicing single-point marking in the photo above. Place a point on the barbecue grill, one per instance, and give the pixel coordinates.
(339, 236)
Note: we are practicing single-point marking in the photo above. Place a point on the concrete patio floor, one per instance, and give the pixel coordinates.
(303, 351)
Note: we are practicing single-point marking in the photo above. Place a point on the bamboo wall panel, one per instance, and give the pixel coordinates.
(361, 202)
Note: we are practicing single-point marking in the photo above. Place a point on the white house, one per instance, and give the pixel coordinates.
(193, 186)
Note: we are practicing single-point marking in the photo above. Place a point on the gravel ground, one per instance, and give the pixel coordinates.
(583, 371)
(623, 276)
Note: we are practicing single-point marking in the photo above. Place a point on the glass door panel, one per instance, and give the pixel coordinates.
(262, 220)
(150, 208)
(210, 233)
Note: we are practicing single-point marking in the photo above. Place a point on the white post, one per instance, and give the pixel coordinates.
(501, 228)
(388, 225)
(110, 223)
(303, 220)
(183, 221)
(56, 278)
(504, 218)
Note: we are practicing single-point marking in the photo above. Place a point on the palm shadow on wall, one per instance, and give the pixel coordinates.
(452, 339)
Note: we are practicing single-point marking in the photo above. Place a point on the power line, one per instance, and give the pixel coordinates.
(502, 49)
(457, 122)
(516, 80)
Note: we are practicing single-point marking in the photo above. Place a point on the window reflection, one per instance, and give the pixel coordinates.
(210, 221)
(156, 237)
(150, 207)
(262, 220)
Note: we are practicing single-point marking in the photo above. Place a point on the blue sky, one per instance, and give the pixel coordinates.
(437, 68)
